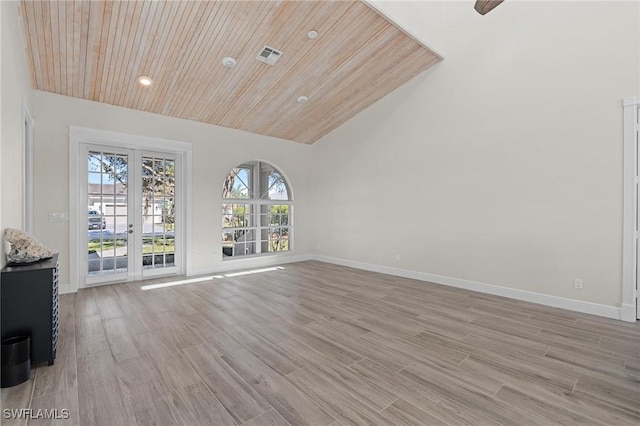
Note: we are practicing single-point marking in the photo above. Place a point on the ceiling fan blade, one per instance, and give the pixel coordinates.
(485, 6)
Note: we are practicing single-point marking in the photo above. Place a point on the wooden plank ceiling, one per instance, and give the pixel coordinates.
(97, 49)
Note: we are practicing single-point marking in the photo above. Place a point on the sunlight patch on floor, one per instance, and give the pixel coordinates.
(209, 278)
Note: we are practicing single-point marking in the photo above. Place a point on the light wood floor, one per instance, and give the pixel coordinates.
(321, 344)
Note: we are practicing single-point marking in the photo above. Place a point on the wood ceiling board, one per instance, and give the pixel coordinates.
(293, 40)
(253, 73)
(202, 44)
(139, 22)
(209, 70)
(33, 61)
(96, 51)
(169, 100)
(228, 35)
(247, 68)
(173, 55)
(340, 41)
(150, 44)
(321, 18)
(80, 41)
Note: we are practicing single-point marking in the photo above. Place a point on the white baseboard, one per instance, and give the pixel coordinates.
(248, 263)
(527, 296)
(626, 313)
(65, 289)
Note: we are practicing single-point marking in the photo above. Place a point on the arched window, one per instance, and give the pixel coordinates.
(256, 211)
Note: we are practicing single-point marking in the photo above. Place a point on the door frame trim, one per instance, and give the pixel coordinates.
(630, 209)
(84, 135)
(27, 167)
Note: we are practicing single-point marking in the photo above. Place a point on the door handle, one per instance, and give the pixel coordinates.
(131, 231)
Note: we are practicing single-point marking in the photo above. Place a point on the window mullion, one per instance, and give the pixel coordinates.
(254, 192)
(255, 217)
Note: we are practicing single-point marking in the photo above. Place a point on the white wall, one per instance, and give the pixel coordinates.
(216, 150)
(503, 163)
(15, 88)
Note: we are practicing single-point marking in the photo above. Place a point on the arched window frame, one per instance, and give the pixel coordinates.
(257, 225)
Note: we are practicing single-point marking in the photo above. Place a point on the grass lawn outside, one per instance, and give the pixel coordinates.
(149, 246)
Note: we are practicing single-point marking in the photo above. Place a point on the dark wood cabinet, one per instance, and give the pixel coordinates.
(29, 299)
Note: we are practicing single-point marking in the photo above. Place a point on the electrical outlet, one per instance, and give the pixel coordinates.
(577, 283)
(58, 217)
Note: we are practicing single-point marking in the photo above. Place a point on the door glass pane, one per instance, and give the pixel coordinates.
(107, 213)
(158, 212)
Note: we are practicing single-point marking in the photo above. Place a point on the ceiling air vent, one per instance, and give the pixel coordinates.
(269, 55)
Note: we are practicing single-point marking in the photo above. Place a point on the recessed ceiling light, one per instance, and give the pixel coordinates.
(144, 80)
(228, 62)
(303, 100)
(312, 34)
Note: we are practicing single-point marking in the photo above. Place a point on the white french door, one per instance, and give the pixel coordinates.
(129, 219)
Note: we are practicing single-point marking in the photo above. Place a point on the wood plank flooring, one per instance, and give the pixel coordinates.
(320, 344)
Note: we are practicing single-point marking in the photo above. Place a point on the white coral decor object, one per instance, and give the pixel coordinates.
(25, 248)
